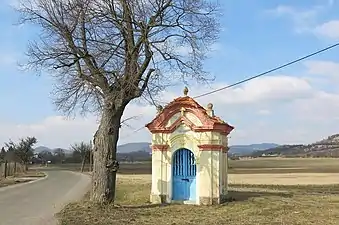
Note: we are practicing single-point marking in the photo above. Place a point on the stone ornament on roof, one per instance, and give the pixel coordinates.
(185, 91)
(159, 109)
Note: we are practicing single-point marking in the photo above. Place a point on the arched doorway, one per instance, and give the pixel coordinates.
(184, 172)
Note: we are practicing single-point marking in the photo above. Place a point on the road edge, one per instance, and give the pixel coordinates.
(25, 183)
(61, 207)
(84, 175)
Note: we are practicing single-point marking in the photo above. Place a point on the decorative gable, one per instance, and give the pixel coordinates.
(185, 110)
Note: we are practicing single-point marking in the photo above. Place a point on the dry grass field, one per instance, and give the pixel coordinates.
(287, 197)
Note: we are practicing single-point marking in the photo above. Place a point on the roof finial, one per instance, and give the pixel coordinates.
(210, 106)
(210, 110)
(185, 91)
(159, 109)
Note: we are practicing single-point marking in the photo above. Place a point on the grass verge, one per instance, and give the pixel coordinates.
(253, 204)
(31, 173)
(21, 178)
(8, 181)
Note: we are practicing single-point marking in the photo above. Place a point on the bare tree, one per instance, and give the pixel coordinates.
(2, 155)
(23, 151)
(45, 156)
(106, 53)
(83, 149)
(59, 155)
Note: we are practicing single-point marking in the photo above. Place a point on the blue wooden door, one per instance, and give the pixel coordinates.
(184, 172)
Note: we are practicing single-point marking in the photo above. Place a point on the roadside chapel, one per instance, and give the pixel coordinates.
(189, 154)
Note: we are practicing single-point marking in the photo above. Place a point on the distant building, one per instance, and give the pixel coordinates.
(269, 155)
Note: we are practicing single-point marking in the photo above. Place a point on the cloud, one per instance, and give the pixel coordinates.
(185, 50)
(308, 20)
(318, 67)
(267, 89)
(328, 30)
(323, 72)
(7, 59)
(263, 89)
(303, 19)
(264, 112)
(59, 131)
(53, 131)
(322, 107)
(10, 56)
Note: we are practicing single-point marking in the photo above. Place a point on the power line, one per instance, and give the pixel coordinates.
(259, 75)
(133, 132)
(269, 71)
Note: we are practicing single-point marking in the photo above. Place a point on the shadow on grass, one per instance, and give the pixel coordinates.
(233, 196)
(144, 206)
(246, 195)
(309, 189)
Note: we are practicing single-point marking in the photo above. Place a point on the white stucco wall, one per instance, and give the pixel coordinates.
(211, 176)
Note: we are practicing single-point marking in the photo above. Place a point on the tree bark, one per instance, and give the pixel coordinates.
(104, 157)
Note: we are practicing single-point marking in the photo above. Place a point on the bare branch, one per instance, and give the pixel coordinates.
(103, 48)
(124, 121)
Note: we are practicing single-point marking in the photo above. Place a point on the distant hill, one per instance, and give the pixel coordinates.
(126, 148)
(134, 147)
(143, 149)
(234, 149)
(240, 150)
(328, 147)
(43, 148)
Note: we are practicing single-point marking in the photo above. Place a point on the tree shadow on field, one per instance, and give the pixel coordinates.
(246, 195)
(145, 206)
(233, 196)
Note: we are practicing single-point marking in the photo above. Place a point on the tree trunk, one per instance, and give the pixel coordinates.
(105, 165)
(83, 164)
(90, 161)
(6, 169)
(9, 169)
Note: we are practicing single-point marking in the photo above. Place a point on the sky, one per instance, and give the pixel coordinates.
(298, 104)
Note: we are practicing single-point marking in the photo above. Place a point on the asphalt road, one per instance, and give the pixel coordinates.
(36, 203)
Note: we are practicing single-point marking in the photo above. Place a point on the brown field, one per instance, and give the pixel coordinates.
(250, 166)
(302, 198)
